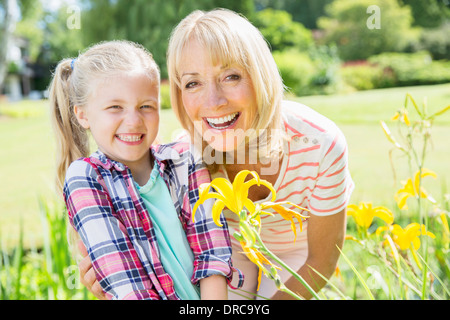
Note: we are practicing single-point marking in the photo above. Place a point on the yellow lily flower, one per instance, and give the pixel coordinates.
(390, 137)
(365, 213)
(286, 213)
(408, 238)
(446, 236)
(233, 196)
(411, 189)
(255, 256)
(402, 115)
(404, 238)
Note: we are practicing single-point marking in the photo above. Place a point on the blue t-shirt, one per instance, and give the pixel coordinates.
(176, 255)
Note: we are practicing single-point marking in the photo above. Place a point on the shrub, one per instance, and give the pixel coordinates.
(311, 72)
(414, 68)
(297, 69)
(436, 41)
(345, 25)
(365, 76)
(281, 31)
(327, 62)
(165, 95)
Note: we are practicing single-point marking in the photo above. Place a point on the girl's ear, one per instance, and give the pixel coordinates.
(80, 114)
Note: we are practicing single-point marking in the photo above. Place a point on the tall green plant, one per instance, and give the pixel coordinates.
(47, 273)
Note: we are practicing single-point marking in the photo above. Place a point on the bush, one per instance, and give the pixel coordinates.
(327, 62)
(345, 25)
(165, 95)
(365, 76)
(414, 68)
(297, 70)
(306, 73)
(436, 42)
(281, 31)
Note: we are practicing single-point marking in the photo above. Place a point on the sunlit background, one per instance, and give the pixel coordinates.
(352, 60)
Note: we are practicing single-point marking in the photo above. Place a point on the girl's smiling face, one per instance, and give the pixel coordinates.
(123, 116)
(219, 99)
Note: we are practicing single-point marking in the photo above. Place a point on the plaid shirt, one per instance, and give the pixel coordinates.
(108, 213)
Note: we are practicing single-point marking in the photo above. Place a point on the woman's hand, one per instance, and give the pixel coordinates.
(87, 274)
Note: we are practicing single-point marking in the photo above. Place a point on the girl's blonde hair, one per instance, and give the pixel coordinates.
(72, 85)
(230, 38)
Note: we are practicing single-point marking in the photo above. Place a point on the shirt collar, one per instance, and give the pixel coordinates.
(164, 152)
(160, 152)
(100, 159)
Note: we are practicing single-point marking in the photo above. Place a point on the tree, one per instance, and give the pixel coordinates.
(62, 40)
(281, 31)
(347, 27)
(430, 13)
(31, 27)
(6, 28)
(304, 11)
(146, 22)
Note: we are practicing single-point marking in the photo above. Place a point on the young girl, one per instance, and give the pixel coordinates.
(129, 202)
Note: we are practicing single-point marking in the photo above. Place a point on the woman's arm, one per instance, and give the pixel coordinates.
(324, 234)
(87, 274)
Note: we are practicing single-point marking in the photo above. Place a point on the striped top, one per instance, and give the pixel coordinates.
(107, 211)
(314, 174)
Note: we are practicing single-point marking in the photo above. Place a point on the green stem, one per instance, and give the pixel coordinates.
(290, 292)
(423, 217)
(289, 269)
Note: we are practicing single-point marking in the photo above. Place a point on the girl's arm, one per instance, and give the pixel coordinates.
(210, 243)
(214, 288)
(115, 261)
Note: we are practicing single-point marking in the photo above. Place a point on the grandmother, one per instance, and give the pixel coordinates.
(228, 94)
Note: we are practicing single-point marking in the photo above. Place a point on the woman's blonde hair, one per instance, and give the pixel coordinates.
(72, 85)
(230, 38)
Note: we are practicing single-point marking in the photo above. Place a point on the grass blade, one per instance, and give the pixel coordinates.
(328, 281)
(369, 293)
(444, 287)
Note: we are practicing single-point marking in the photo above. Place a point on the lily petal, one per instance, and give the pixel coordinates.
(418, 178)
(211, 195)
(385, 214)
(217, 210)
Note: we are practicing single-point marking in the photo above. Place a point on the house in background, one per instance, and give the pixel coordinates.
(18, 82)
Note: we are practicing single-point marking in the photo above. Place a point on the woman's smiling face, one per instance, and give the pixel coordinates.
(219, 99)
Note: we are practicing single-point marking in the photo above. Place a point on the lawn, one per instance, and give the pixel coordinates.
(27, 150)
(358, 115)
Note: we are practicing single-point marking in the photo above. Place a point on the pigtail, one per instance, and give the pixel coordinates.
(72, 141)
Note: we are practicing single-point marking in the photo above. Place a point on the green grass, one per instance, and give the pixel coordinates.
(371, 106)
(358, 115)
(371, 168)
(27, 147)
